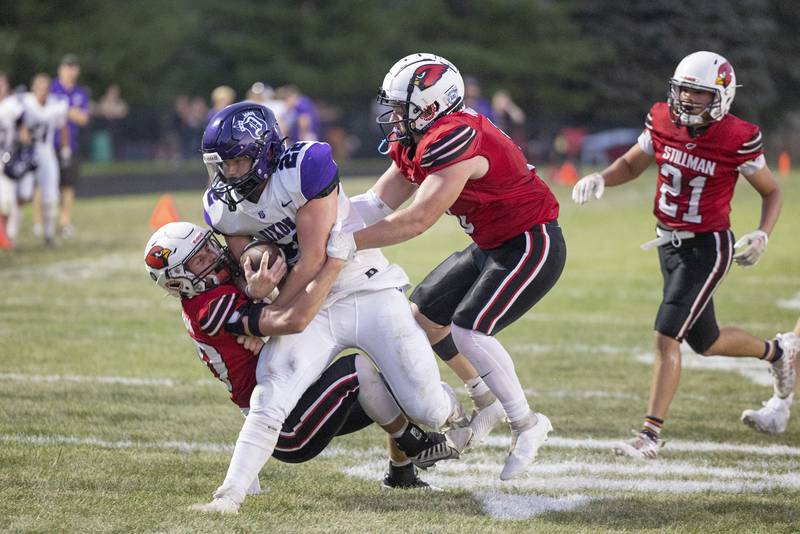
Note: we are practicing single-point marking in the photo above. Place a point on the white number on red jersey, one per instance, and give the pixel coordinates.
(692, 215)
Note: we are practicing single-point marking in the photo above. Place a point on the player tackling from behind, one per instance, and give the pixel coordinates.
(700, 149)
(454, 160)
(188, 262)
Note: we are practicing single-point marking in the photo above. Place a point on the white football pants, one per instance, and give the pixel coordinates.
(378, 322)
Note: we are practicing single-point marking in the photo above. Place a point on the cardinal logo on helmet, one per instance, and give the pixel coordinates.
(724, 75)
(249, 122)
(158, 257)
(427, 75)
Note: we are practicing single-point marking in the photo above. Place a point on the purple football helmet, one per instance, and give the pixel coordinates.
(240, 130)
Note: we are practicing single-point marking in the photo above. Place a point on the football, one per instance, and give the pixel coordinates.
(256, 250)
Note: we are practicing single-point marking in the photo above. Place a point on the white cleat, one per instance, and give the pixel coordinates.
(783, 371)
(642, 446)
(459, 438)
(772, 418)
(483, 421)
(458, 418)
(220, 505)
(524, 446)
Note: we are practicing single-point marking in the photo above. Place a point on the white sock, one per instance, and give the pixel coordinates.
(373, 396)
(479, 392)
(256, 442)
(49, 215)
(12, 224)
(496, 368)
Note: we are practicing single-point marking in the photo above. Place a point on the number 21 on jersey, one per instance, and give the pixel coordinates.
(672, 190)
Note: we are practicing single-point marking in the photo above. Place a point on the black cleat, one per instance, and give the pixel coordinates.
(404, 477)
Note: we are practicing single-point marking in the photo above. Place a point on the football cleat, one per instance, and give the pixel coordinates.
(221, 505)
(772, 418)
(483, 421)
(524, 447)
(440, 447)
(404, 477)
(641, 446)
(458, 417)
(783, 371)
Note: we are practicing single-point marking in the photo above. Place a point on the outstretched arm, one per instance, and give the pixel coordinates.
(624, 169)
(434, 197)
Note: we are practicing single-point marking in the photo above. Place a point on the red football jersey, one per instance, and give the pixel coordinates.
(697, 175)
(508, 200)
(205, 316)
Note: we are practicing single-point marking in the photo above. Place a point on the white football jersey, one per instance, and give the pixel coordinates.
(10, 111)
(306, 169)
(43, 120)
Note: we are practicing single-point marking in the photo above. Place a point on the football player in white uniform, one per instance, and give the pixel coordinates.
(292, 197)
(10, 112)
(43, 115)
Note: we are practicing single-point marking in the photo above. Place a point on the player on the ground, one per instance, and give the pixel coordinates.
(188, 262)
(773, 417)
(454, 160)
(292, 197)
(700, 150)
(44, 115)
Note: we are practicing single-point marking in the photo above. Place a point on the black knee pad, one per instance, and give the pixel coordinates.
(445, 349)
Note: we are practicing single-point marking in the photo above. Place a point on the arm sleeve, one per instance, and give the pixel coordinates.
(216, 313)
(750, 154)
(645, 140)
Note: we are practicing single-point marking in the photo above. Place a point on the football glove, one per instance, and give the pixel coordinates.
(593, 184)
(341, 245)
(754, 243)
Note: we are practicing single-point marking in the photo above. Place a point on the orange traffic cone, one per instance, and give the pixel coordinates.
(784, 164)
(5, 242)
(568, 174)
(164, 212)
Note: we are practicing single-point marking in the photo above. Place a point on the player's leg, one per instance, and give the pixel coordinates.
(69, 177)
(691, 272)
(48, 175)
(421, 448)
(24, 191)
(513, 279)
(434, 301)
(381, 324)
(287, 366)
(773, 417)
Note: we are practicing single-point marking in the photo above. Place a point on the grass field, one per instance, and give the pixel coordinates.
(108, 421)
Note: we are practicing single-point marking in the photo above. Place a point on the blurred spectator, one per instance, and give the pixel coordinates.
(474, 100)
(194, 119)
(302, 120)
(108, 113)
(265, 95)
(221, 97)
(509, 117)
(77, 117)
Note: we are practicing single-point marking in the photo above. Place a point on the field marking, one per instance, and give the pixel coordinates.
(504, 442)
(514, 507)
(104, 267)
(753, 369)
(538, 348)
(792, 303)
(121, 380)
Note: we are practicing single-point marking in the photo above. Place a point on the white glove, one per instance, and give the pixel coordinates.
(66, 155)
(587, 186)
(755, 244)
(341, 245)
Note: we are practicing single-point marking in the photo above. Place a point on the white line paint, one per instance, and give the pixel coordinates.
(753, 369)
(121, 380)
(509, 506)
(538, 348)
(580, 394)
(177, 446)
(792, 303)
(504, 442)
(533, 481)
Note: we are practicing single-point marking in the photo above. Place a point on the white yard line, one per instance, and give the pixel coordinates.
(672, 445)
(510, 506)
(792, 303)
(122, 380)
